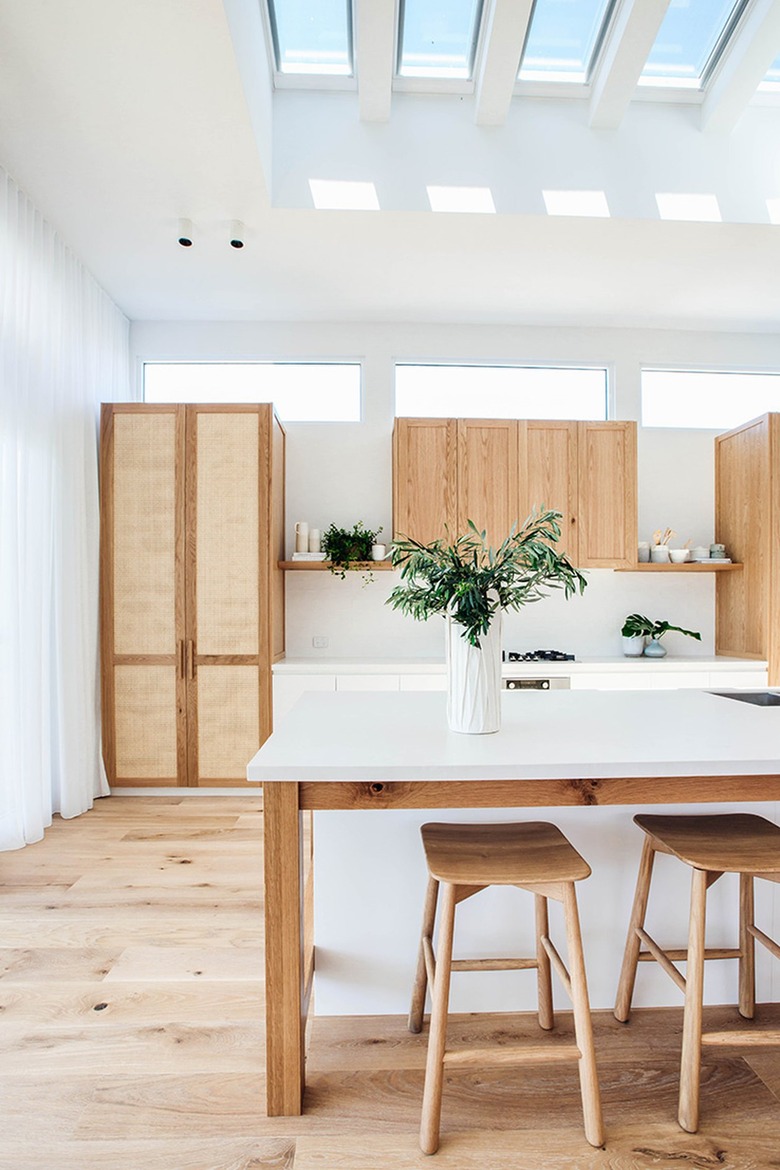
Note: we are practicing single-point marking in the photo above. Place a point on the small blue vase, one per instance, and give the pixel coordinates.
(654, 649)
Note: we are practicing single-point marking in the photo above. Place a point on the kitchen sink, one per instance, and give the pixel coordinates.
(757, 698)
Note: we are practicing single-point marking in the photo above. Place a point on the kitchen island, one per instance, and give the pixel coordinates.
(392, 751)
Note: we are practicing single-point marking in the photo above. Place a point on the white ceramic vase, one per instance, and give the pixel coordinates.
(474, 680)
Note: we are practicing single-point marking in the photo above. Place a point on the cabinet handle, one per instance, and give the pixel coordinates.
(190, 659)
(181, 658)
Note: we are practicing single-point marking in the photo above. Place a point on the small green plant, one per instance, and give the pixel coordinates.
(344, 547)
(472, 582)
(637, 625)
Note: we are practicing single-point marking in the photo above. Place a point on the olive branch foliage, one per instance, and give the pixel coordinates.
(471, 581)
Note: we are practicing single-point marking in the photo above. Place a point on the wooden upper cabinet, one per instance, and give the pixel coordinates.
(487, 476)
(495, 471)
(425, 478)
(607, 509)
(548, 475)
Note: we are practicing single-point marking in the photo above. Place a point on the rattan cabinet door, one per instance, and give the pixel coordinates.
(228, 601)
(142, 610)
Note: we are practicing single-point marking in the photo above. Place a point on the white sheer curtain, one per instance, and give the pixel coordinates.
(63, 350)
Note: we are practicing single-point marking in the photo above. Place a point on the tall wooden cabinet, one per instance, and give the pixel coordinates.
(494, 471)
(192, 601)
(747, 521)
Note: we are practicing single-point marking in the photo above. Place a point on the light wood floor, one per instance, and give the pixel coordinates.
(131, 1032)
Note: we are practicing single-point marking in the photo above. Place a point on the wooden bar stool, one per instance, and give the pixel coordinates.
(463, 860)
(711, 845)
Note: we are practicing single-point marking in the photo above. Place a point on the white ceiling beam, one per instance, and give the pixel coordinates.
(374, 48)
(632, 36)
(505, 29)
(749, 56)
(250, 46)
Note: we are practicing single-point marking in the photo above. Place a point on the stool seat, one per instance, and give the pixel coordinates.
(728, 843)
(463, 860)
(511, 854)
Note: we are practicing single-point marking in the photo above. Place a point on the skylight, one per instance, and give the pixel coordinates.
(438, 38)
(461, 199)
(564, 39)
(312, 38)
(690, 42)
(772, 79)
(585, 203)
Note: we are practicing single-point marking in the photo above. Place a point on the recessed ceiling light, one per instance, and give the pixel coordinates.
(469, 199)
(587, 203)
(340, 195)
(703, 208)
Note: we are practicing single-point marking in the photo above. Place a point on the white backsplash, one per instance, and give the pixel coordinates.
(356, 621)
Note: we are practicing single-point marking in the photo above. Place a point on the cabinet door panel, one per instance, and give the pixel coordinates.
(743, 477)
(548, 475)
(607, 495)
(424, 478)
(145, 725)
(141, 594)
(228, 701)
(225, 529)
(487, 476)
(144, 574)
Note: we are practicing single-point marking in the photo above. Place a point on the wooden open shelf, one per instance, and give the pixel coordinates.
(698, 567)
(325, 566)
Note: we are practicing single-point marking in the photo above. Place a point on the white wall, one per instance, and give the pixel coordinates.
(343, 472)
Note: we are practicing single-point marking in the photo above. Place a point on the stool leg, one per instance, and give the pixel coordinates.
(625, 990)
(690, 1064)
(544, 968)
(420, 986)
(747, 945)
(583, 1024)
(437, 1038)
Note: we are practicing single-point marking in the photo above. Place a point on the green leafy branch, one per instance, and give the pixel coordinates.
(472, 581)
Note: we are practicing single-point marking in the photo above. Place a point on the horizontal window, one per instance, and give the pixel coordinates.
(300, 391)
(428, 391)
(709, 399)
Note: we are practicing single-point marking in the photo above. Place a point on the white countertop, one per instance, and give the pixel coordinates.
(563, 734)
(617, 664)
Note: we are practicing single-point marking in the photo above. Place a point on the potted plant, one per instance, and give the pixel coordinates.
(635, 632)
(637, 629)
(471, 584)
(345, 547)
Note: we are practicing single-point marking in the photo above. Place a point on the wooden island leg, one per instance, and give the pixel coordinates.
(285, 995)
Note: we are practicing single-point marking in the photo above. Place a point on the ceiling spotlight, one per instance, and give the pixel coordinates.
(185, 233)
(236, 234)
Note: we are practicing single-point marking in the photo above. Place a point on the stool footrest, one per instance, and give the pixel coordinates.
(680, 954)
(753, 1038)
(661, 958)
(501, 1056)
(765, 940)
(493, 964)
(558, 964)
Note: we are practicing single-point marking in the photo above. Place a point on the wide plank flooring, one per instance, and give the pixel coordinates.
(131, 1034)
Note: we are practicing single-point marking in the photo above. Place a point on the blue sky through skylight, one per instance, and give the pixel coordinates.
(312, 38)
(438, 38)
(562, 40)
(690, 32)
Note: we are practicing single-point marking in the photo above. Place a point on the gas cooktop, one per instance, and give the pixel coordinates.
(537, 656)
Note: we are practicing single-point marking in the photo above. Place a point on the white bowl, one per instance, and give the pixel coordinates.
(678, 555)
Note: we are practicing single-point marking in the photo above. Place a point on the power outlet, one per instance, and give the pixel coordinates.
(319, 643)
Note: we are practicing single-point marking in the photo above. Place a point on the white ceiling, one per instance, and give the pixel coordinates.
(118, 118)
